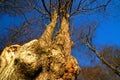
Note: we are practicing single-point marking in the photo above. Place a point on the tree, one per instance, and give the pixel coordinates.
(98, 72)
(86, 38)
(58, 11)
(111, 54)
(101, 71)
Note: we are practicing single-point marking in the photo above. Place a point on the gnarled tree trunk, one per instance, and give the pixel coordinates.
(44, 59)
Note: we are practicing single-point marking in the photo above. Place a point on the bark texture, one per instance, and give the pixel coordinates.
(44, 59)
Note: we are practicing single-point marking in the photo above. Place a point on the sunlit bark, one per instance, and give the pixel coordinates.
(63, 36)
(46, 38)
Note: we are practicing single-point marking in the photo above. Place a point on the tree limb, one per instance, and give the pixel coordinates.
(43, 2)
(91, 47)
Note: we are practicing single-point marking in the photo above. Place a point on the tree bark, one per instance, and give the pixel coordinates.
(46, 39)
(63, 37)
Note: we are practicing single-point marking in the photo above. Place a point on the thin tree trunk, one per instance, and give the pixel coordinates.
(113, 68)
(63, 39)
(46, 38)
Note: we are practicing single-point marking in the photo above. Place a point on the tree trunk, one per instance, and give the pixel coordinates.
(46, 39)
(44, 59)
(63, 39)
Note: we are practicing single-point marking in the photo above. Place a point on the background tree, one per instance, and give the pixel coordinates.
(101, 71)
(86, 38)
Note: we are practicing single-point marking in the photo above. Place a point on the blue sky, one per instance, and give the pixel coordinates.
(108, 23)
(108, 31)
(7, 21)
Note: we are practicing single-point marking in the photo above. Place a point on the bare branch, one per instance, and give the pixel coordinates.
(86, 38)
(91, 47)
(85, 8)
(43, 2)
(71, 4)
(37, 9)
